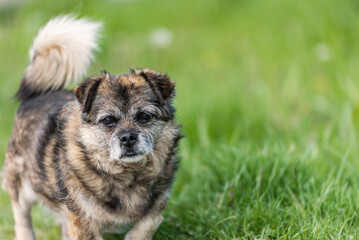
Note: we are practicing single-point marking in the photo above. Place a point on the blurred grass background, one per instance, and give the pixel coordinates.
(268, 96)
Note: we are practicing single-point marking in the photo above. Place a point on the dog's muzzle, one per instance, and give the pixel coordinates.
(127, 143)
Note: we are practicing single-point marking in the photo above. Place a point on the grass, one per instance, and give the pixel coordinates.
(269, 101)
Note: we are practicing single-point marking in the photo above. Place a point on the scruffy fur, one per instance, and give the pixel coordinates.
(100, 157)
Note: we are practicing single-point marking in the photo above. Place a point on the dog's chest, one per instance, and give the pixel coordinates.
(129, 196)
(131, 200)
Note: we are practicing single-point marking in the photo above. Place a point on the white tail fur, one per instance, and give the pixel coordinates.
(61, 53)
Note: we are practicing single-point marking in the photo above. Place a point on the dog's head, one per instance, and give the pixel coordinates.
(125, 115)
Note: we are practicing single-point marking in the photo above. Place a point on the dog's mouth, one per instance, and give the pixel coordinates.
(129, 154)
(132, 156)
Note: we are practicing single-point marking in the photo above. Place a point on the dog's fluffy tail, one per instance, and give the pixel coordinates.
(60, 54)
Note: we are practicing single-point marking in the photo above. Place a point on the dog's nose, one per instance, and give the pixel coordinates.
(128, 139)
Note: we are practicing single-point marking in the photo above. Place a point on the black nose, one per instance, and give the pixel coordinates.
(128, 139)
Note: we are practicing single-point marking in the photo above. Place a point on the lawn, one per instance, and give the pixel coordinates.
(268, 95)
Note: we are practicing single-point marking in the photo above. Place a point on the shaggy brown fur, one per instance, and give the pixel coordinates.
(100, 157)
(60, 153)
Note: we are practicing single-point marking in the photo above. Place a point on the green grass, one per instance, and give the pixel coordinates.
(268, 95)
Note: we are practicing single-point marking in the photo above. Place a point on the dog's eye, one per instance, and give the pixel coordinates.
(109, 121)
(143, 117)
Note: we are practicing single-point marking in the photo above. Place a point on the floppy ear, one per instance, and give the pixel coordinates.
(159, 82)
(86, 92)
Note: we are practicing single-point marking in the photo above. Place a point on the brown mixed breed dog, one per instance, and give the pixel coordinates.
(99, 157)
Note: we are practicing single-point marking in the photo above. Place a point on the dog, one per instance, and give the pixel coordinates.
(101, 156)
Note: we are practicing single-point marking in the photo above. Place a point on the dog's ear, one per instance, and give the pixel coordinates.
(159, 82)
(86, 92)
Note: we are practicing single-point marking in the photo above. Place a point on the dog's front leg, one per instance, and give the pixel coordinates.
(144, 228)
(23, 226)
(82, 229)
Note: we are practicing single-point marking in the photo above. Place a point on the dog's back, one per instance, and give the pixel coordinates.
(60, 54)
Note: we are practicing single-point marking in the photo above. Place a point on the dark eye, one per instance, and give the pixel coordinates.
(143, 117)
(109, 121)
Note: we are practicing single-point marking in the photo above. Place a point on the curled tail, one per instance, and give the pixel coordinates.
(60, 54)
